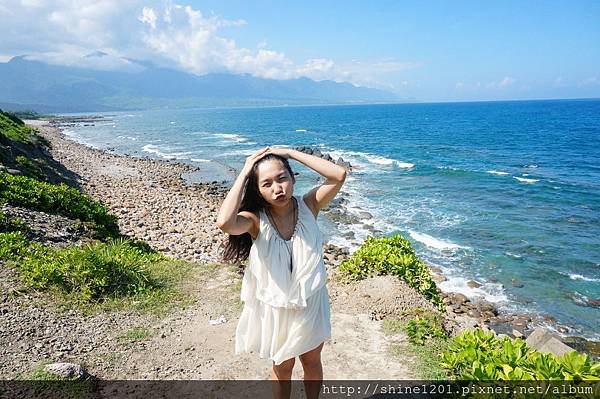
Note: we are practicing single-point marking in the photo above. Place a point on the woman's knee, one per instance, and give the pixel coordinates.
(286, 367)
(312, 358)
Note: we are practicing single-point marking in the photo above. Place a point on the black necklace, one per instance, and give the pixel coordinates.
(290, 250)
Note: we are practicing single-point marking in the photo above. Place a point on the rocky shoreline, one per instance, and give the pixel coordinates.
(178, 218)
(461, 311)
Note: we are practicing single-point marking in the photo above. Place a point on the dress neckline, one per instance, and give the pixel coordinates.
(295, 227)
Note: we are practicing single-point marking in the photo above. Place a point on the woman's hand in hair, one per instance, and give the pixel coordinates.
(251, 160)
(282, 152)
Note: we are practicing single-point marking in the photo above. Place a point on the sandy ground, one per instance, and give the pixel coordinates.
(186, 345)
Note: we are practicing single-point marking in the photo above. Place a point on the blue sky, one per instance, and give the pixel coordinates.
(423, 51)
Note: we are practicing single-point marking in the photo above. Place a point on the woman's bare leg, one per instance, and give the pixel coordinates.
(282, 375)
(313, 371)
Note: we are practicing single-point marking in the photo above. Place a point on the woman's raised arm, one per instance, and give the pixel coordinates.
(334, 174)
(229, 220)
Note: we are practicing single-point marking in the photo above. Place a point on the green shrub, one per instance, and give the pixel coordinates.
(14, 129)
(95, 271)
(57, 199)
(478, 355)
(28, 166)
(13, 245)
(424, 327)
(394, 256)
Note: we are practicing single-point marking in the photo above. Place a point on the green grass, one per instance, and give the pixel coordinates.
(135, 334)
(30, 167)
(100, 276)
(14, 129)
(110, 359)
(57, 199)
(426, 364)
(236, 288)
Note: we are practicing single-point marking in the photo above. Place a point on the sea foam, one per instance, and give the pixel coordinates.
(497, 172)
(526, 180)
(433, 242)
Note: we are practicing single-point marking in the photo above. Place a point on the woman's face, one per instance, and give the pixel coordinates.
(274, 182)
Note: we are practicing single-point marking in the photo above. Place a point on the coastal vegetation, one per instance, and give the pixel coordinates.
(23, 150)
(110, 270)
(59, 199)
(474, 354)
(479, 355)
(395, 256)
(95, 272)
(13, 128)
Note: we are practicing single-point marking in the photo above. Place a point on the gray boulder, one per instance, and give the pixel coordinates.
(66, 370)
(546, 341)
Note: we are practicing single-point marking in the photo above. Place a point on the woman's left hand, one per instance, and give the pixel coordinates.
(282, 152)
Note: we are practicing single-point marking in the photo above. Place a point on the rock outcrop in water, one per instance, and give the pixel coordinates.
(340, 161)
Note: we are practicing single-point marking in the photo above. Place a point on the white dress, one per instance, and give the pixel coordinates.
(286, 313)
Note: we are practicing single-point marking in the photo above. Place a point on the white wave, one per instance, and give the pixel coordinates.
(525, 180)
(172, 123)
(433, 242)
(301, 130)
(376, 159)
(231, 136)
(244, 152)
(339, 241)
(497, 172)
(491, 292)
(533, 166)
(513, 255)
(358, 158)
(579, 298)
(447, 168)
(405, 165)
(199, 160)
(128, 138)
(154, 149)
(575, 276)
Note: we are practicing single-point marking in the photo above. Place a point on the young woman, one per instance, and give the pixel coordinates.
(286, 303)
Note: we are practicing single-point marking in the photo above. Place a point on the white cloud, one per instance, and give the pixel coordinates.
(64, 31)
(149, 16)
(5, 10)
(507, 81)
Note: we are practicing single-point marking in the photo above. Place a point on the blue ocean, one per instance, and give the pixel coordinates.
(506, 194)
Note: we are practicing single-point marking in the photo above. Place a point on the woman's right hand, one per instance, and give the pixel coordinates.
(251, 160)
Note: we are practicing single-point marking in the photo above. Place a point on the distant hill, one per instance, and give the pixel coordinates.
(26, 84)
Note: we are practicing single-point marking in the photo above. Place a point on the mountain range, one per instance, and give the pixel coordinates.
(35, 85)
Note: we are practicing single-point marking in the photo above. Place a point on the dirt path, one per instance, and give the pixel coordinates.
(185, 345)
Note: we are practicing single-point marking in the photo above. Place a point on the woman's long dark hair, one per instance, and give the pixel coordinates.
(237, 248)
